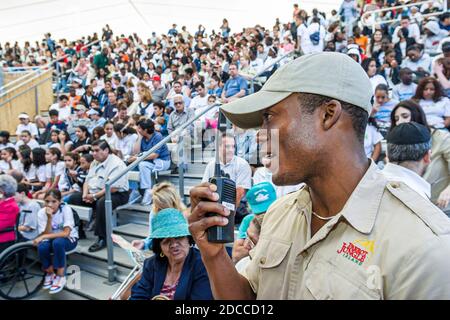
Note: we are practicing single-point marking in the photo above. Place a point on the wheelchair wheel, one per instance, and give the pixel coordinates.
(20, 272)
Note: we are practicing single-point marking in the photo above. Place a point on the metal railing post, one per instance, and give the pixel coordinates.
(36, 100)
(109, 242)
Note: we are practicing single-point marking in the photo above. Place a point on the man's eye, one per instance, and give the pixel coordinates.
(267, 116)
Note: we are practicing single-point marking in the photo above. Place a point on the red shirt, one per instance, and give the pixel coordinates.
(9, 210)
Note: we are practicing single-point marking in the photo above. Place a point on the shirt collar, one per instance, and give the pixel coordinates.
(409, 177)
(362, 207)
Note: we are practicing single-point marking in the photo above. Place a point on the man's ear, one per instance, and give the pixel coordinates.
(331, 112)
(427, 157)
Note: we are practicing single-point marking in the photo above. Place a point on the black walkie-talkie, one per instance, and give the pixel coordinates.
(226, 188)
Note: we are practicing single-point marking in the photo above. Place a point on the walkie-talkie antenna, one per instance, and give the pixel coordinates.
(221, 128)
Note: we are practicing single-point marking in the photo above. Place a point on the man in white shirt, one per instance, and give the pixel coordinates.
(413, 28)
(409, 154)
(26, 124)
(235, 167)
(201, 99)
(303, 41)
(63, 108)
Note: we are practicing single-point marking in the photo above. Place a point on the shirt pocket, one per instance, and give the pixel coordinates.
(327, 282)
(270, 257)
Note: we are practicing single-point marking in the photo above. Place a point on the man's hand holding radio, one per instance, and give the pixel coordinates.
(203, 201)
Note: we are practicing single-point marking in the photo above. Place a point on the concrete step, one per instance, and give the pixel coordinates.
(139, 231)
(93, 287)
(63, 295)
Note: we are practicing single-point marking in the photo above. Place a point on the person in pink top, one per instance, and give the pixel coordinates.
(9, 210)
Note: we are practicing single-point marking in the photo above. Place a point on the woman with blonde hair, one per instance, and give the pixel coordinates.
(145, 105)
(164, 195)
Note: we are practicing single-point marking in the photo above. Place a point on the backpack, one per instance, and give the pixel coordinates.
(315, 37)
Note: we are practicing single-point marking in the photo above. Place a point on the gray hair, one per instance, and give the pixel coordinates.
(8, 185)
(407, 152)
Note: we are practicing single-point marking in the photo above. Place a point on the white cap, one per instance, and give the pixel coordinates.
(24, 116)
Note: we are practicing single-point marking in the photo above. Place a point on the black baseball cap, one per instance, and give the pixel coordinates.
(409, 133)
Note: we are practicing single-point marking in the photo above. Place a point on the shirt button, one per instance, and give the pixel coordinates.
(395, 185)
(262, 260)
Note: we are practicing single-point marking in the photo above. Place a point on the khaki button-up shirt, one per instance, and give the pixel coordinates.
(387, 243)
(100, 172)
(438, 172)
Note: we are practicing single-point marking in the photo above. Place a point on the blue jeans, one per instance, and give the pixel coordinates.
(58, 247)
(146, 168)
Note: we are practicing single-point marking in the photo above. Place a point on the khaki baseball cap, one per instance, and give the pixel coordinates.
(330, 74)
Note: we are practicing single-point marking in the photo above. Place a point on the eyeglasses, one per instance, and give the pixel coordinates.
(177, 103)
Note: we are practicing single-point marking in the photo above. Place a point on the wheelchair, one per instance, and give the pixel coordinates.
(20, 271)
(21, 274)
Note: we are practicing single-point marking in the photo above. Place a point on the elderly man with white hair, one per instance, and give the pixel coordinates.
(9, 211)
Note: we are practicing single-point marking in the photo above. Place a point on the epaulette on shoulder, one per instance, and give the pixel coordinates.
(431, 215)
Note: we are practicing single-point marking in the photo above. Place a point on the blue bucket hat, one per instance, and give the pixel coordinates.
(169, 223)
(261, 196)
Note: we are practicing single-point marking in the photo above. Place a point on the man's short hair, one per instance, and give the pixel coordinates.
(63, 97)
(147, 125)
(27, 132)
(310, 102)
(407, 152)
(199, 84)
(102, 144)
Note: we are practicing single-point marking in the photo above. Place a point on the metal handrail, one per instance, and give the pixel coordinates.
(109, 182)
(365, 15)
(277, 60)
(43, 67)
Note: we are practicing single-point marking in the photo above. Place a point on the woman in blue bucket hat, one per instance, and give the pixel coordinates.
(176, 270)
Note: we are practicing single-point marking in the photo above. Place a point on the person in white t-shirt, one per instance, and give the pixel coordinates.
(63, 108)
(25, 138)
(201, 99)
(109, 135)
(53, 171)
(317, 31)
(372, 141)
(303, 41)
(434, 103)
(58, 234)
(8, 160)
(370, 66)
(4, 140)
(26, 124)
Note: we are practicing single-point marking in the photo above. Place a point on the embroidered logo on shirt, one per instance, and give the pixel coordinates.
(354, 253)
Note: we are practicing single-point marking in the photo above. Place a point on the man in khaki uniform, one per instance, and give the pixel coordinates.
(349, 233)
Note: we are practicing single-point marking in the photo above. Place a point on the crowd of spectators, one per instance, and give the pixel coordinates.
(121, 96)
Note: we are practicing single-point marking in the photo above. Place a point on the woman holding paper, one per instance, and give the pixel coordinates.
(176, 270)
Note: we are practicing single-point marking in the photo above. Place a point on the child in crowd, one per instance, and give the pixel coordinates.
(406, 88)
(28, 221)
(68, 182)
(58, 234)
(4, 140)
(97, 133)
(126, 138)
(54, 122)
(9, 160)
(83, 142)
(382, 108)
(109, 135)
(53, 171)
(26, 164)
(54, 139)
(26, 124)
(85, 164)
(37, 182)
(65, 143)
